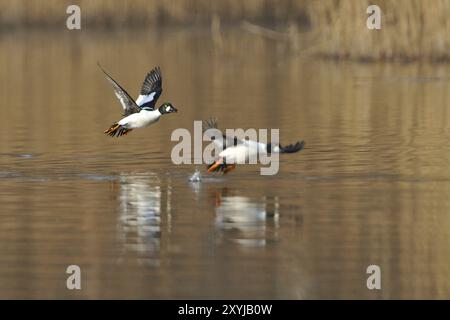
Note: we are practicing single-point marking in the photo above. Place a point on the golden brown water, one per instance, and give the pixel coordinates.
(371, 187)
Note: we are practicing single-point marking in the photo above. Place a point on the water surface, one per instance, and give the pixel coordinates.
(371, 187)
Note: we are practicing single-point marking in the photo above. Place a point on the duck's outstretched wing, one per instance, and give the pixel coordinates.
(151, 89)
(221, 140)
(293, 147)
(128, 104)
(210, 123)
(229, 141)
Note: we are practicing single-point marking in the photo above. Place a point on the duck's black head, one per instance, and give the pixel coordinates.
(167, 107)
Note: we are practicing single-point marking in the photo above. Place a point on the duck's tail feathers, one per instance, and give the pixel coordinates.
(117, 130)
(293, 147)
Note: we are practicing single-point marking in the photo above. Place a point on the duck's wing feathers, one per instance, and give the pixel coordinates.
(151, 89)
(220, 139)
(128, 104)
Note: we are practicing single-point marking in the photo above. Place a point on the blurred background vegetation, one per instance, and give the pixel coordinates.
(411, 29)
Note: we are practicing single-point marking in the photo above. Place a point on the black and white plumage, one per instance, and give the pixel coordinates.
(142, 112)
(151, 89)
(236, 150)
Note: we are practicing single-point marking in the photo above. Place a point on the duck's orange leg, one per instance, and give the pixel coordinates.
(117, 130)
(113, 129)
(215, 165)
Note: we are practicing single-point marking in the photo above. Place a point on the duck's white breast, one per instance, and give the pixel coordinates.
(141, 119)
(237, 154)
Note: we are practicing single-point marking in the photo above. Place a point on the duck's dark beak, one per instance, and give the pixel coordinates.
(174, 109)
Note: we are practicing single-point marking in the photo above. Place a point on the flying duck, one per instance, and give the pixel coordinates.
(142, 112)
(235, 150)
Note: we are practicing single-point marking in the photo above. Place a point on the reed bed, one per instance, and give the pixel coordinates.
(410, 30)
(106, 13)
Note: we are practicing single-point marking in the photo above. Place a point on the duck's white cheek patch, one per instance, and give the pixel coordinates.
(167, 109)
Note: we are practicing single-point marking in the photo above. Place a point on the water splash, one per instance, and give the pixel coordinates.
(25, 155)
(196, 177)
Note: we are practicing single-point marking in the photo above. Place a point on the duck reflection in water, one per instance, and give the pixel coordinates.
(141, 202)
(249, 222)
